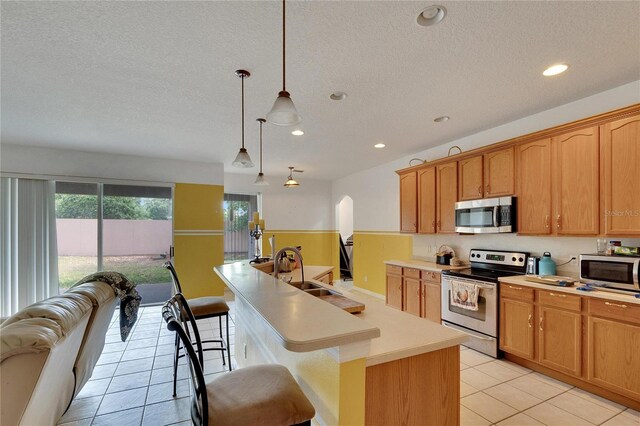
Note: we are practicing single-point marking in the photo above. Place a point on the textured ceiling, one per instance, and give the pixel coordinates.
(157, 78)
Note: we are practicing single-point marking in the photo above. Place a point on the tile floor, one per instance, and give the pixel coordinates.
(132, 385)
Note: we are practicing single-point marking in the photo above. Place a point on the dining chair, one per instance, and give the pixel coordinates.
(265, 395)
(202, 308)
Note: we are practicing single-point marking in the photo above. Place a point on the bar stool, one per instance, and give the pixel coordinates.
(202, 308)
(260, 395)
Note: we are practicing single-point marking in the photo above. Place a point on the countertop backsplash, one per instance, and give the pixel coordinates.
(562, 249)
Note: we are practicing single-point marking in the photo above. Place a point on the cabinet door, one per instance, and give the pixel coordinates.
(394, 291)
(470, 178)
(621, 162)
(613, 360)
(431, 301)
(516, 328)
(499, 173)
(412, 296)
(408, 202)
(576, 183)
(560, 340)
(534, 187)
(447, 196)
(427, 200)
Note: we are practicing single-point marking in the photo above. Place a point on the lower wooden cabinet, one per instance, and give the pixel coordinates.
(394, 291)
(412, 296)
(414, 291)
(431, 301)
(560, 340)
(516, 327)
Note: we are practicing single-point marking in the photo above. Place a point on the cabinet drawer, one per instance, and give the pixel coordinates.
(560, 300)
(393, 269)
(515, 291)
(432, 277)
(613, 309)
(411, 273)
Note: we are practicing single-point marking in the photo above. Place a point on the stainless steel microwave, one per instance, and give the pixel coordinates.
(617, 272)
(486, 216)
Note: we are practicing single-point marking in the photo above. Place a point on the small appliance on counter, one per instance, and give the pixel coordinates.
(613, 273)
(533, 263)
(444, 255)
(546, 265)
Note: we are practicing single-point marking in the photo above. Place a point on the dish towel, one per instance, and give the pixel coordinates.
(464, 295)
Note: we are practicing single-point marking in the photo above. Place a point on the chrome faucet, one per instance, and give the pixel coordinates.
(276, 258)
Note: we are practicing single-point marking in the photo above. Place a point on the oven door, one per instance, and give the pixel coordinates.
(485, 319)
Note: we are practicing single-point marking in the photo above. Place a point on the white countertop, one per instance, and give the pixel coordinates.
(306, 323)
(600, 294)
(423, 265)
(311, 272)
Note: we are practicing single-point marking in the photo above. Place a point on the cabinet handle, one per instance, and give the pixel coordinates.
(514, 288)
(546, 221)
(557, 295)
(480, 190)
(558, 222)
(488, 189)
(439, 225)
(529, 320)
(615, 304)
(540, 323)
(433, 225)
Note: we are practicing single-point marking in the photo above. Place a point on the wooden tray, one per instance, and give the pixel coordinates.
(344, 303)
(551, 280)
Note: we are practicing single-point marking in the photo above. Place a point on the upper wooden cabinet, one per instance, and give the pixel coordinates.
(621, 168)
(446, 196)
(427, 200)
(576, 182)
(534, 187)
(408, 202)
(488, 175)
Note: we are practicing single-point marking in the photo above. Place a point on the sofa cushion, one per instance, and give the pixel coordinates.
(30, 335)
(97, 292)
(66, 310)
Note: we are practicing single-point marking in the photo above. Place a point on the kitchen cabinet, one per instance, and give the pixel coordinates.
(326, 278)
(427, 200)
(412, 296)
(485, 176)
(576, 182)
(431, 301)
(613, 342)
(394, 286)
(534, 187)
(446, 196)
(621, 168)
(516, 320)
(408, 202)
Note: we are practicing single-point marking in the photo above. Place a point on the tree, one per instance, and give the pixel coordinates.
(158, 208)
(75, 206)
(236, 215)
(123, 208)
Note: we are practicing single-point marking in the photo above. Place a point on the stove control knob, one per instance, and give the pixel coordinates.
(513, 259)
(520, 259)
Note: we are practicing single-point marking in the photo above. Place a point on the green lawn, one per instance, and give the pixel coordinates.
(139, 269)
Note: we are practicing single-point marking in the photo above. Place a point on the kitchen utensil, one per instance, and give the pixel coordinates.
(284, 264)
(533, 265)
(546, 266)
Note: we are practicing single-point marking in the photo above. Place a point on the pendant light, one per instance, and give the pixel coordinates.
(242, 159)
(260, 180)
(283, 112)
(291, 182)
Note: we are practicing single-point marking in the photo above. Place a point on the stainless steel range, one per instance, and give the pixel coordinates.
(470, 296)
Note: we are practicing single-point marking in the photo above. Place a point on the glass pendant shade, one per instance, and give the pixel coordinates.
(260, 180)
(291, 183)
(243, 160)
(284, 112)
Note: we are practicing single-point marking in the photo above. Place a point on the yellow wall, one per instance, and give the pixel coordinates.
(318, 247)
(198, 238)
(370, 250)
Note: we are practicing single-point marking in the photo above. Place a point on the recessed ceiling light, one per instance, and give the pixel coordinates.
(431, 15)
(338, 96)
(441, 119)
(555, 70)
(297, 133)
(379, 145)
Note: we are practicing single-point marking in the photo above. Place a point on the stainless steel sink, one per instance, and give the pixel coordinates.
(307, 285)
(321, 292)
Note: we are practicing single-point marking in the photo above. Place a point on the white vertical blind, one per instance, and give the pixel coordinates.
(28, 246)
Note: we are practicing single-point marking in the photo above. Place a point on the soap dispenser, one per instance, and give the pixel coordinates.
(546, 266)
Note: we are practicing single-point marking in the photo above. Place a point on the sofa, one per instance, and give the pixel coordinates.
(48, 352)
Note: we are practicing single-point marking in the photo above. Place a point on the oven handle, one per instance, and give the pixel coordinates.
(472, 333)
(482, 286)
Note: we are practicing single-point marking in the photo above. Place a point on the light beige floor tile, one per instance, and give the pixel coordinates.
(467, 389)
(623, 419)
(473, 358)
(463, 366)
(488, 407)
(520, 420)
(551, 415)
(553, 382)
(535, 387)
(634, 413)
(499, 371)
(513, 366)
(512, 396)
(469, 418)
(597, 399)
(478, 379)
(583, 408)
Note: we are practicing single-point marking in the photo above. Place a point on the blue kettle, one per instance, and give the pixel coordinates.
(546, 266)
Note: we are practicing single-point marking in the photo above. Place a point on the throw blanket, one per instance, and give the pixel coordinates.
(126, 291)
(464, 295)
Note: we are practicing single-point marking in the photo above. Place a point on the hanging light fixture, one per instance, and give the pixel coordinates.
(260, 180)
(283, 112)
(291, 182)
(242, 159)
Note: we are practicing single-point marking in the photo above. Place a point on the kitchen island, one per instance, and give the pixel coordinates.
(381, 366)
